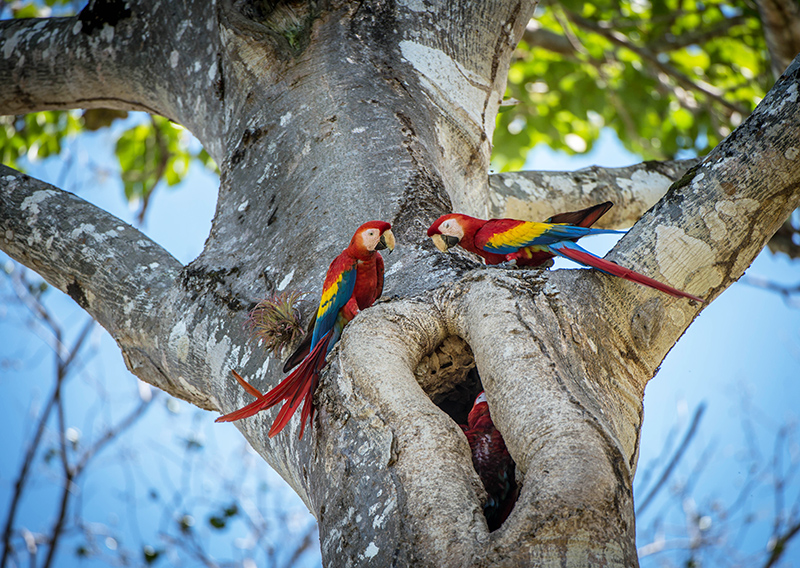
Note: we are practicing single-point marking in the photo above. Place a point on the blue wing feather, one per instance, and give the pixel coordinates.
(329, 306)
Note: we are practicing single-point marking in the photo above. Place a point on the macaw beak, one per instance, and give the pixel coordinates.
(386, 241)
(444, 242)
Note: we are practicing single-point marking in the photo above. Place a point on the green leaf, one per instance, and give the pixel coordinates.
(648, 103)
(217, 522)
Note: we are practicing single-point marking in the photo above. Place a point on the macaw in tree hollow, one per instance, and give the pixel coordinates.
(528, 243)
(492, 462)
(353, 282)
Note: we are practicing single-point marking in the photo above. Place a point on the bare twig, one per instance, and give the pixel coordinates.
(621, 40)
(790, 294)
(676, 457)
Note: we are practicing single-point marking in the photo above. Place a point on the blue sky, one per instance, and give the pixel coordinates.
(739, 358)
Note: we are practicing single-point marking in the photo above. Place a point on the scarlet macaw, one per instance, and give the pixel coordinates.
(528, 243)
(492, 462)
(353, 282)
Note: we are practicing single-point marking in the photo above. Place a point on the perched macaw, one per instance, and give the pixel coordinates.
(353, 282)
(526, 243)
(492, 462)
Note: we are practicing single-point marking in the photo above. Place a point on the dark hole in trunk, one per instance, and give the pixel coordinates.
(450, 377)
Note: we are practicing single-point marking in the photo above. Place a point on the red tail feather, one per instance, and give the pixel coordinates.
(247, 386)
(299, 385)
(588, 259)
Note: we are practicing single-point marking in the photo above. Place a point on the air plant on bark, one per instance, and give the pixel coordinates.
(275, 321)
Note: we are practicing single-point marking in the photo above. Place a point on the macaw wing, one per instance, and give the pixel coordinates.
(302, 350)
(336, 292)
(505, 236)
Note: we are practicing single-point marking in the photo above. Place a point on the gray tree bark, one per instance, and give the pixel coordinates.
(325, 115)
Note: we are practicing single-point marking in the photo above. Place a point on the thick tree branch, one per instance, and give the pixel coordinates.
(114, 272)
(108, 57)
(535, 196)
(710, 225)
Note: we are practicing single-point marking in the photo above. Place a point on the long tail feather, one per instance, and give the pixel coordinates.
(247, 386)
(299, 384)
(570, 250)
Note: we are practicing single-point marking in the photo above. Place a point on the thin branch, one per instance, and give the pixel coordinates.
(676, 457)
(780, 545)
(63, 365)
(55, 535)
(790, 294)
(621, 40)
(719, 29)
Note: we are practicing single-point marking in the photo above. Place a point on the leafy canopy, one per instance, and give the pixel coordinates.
(670, 77)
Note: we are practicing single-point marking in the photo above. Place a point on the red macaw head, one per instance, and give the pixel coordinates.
(448, 230)
(479, 412)
(372, 236)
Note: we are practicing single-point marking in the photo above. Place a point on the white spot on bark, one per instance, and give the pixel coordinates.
(243, 206)
(285, 282)
(358, 130)
(91, 230)
(736, 208)
(107, 33)
(559, 183)
(76, 29)
(9, 234)
(791, 97)
(444, 77)
(217, 353)
(32, 202)
(715, 225)
(179, 341)
(182, 28)
(286, 118)
(726, 207)
(334, 536)
(677, 253)
(153, 265)
(413, 5)
(371, 551)
(648, 187)
(791, 153)
(173, 58)
(212, 72)
(10, 45)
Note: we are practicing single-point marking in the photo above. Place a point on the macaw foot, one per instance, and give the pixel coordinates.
(508, 264)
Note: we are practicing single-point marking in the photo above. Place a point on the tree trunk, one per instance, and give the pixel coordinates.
(323, 116)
